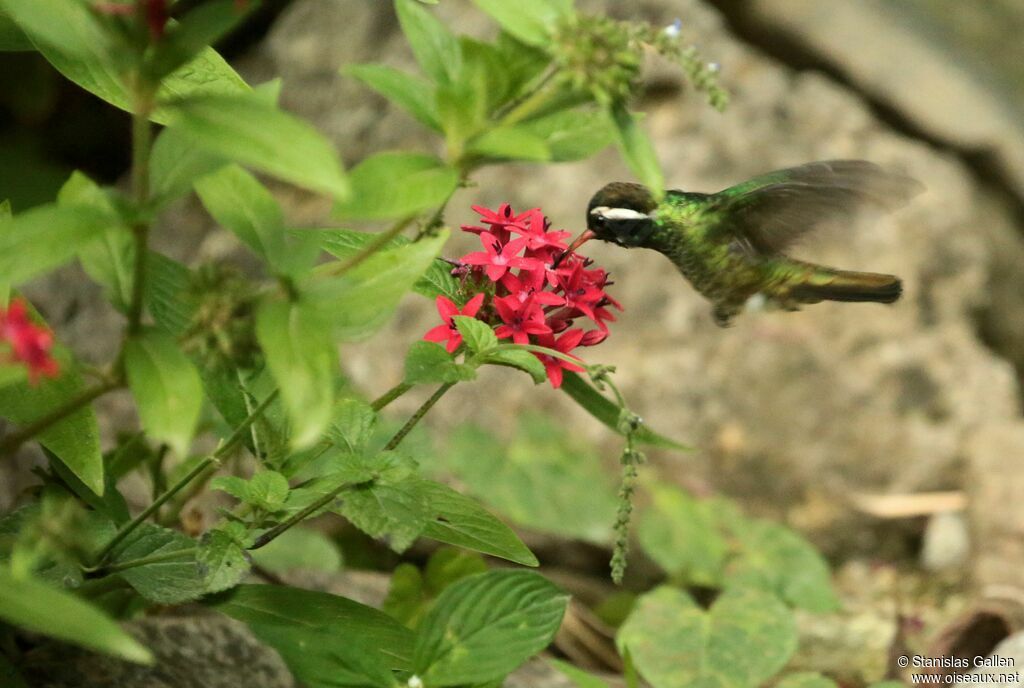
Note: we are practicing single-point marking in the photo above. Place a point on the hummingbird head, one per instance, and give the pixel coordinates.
(621, 213)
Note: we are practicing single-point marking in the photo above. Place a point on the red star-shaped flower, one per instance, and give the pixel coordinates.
(521, 318)
(563, 344)
(497, 259)
(30, 344)
(448, 310)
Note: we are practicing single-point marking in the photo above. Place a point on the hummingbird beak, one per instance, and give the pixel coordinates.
(585, 236)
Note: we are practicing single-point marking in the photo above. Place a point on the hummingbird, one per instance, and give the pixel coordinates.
(730, 244)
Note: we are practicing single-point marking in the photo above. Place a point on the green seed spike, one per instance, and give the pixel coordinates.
(730, 244)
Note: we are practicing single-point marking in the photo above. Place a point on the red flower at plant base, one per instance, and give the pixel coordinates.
(30, 344)
(563, 344)
(522, 294)
(448, 310)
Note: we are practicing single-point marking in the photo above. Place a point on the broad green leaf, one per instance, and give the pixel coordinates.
(411, 594)
(320, 636)
(740, 642)
(186, 38)
(223, 561)
(40, 608)
(249, 131)
(410, 93)
(477, 334)
(167, 294)
(299, 548)
(531, 21)
(579, 678)
(44, 237)
(462, 109)
(268, 490)
(438, 281)
(572, 134)
(460, 520)
(240, 203)
(429, 363)
(637, 149)
(166, 387)
(396, 185)
(75, 439)
(520, 359)
(681, 535)
(352, 425)
(510, 143)
(176, 163)
(68, 25)
(484, 626)
(12, 38)
(597, 405)
(232, 485)
(774, 558)
(357, 303)
(812, 679)
(396, 512)
(172, 580)
(109, 260)
(302, 357)
(435, 48)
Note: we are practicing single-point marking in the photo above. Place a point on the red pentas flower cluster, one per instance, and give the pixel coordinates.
(29, 343)
(523, 284)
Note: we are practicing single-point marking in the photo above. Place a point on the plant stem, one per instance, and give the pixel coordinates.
(13, 441)
(528, 103)
(142, 144)
(213, 458)
(390, 395)
(418, 416)
(379, 242)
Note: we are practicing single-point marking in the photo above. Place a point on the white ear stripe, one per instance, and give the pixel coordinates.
(619, 213)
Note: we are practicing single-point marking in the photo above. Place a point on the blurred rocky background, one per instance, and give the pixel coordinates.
(889, 435)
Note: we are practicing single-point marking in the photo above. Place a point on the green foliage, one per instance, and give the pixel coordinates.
(810, 679)
(300, 549)
(429, 363)
(740, 642)
(397, 185)
(412, 593)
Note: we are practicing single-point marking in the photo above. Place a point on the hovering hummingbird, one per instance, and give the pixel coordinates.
(730, 244)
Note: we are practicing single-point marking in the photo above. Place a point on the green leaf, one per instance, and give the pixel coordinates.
(740, 642)
(462, 109)
(75, 439)
(520, 359)
(12, 38)
(429, 363)
(531, 21)
(484, 626)
(236, 200)
(411, 594)
(174, 580)
(167, 294)
(812, 679)
(597, 405)
(189, 36)
(510, 143)
(268, 490)
(438, 281)
(250, 131)
(47, 236)
(223, 561)
(396, 512)
(68, 25)
(359, 302)
(637, 149)
(353, 424)
(579, 678)
(572, 135)
(302, 358)
(396, 185)
(410, 93)
(166, 387)
(176, 163)
(776, 559)
(299, 548)
(477, 334)
(435, 48)
(459, 520)
(325, 639)
(40, 608)
(232, 485)
(681, 535)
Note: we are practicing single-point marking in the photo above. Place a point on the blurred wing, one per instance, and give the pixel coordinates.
(772, 211)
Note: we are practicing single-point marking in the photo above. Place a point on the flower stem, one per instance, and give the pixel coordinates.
(390, 395)
(213, 458)
(418, 416)
(142, 145)
(379, 242)
(12, 442)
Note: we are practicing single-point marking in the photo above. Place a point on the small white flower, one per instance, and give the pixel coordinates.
(674, 29)
(415, 682)
(714, 67)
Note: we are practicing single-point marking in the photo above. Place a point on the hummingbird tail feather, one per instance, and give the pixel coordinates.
(846, 285)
